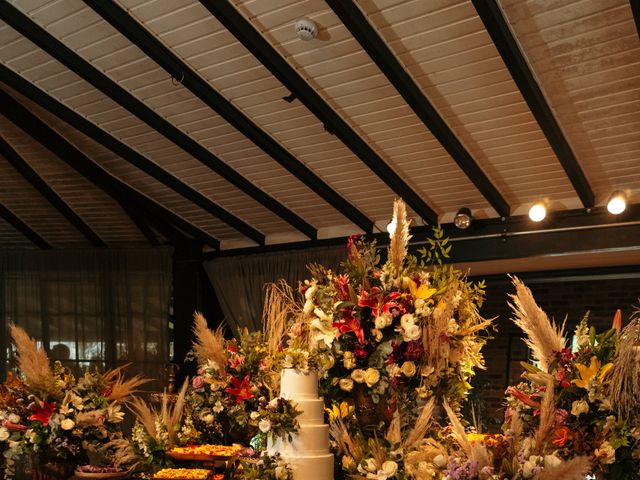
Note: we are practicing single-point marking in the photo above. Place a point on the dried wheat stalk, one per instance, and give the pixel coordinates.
(624, 385)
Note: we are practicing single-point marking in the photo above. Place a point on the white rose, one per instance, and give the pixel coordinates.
(13, 418)
(579, 407)
(281, 473)
(371, 376)
(264, 425)
(393, 370)
(439, 461)
(208, 419)
(254, 415)
(346, 384)
(407, 320)
(389, 468)
(412, 332)
(4, 434)
(370, 465)
(67, 424)
(380, 322)
(358, 375)
(408, 369)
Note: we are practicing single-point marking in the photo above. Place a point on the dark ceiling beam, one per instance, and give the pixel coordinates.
(244, 31)
(366, 35)
(37, 182)
(498, 28)
(13, 220)
(635, 9)
(515, 237)
(111, 185)
(163, 56)
(80, 123)
(39, 36)
(142, 224)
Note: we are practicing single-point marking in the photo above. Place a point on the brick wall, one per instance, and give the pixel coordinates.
(559, 296)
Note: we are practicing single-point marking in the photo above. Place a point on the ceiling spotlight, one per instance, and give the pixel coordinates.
(617, 202)
(463, 218)
(391, 227)
(537, 212)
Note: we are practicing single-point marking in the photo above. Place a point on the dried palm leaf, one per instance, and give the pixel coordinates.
(172, 420)
(33, 362)
(543, 336)
(624, 384)
(346, 443)
(280, 307)
(209, 345)
(458, 430)
(145, 415)
(419, 430)
(122, 389)
(575, 469)
(399, 245)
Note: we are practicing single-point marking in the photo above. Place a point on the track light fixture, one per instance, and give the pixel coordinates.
(617, 202)
(463, 218)
(538, 212)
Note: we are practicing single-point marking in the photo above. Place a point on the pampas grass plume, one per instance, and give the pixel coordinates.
(398, 247)
(209, 345)
(33, 362)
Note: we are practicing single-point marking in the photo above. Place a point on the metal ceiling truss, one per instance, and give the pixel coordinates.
(80, 123)
(15, 221)
(245, 32)
(31, 176)
(366, 35)
(163, 56)
(515, 61)
(39, 36)
(515, 237)
(111, 185)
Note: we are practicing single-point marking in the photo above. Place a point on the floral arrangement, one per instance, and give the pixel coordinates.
(265, 467)
(408, 328)
(579, 406)
(55, 417)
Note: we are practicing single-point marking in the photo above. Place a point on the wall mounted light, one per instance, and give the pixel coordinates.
(538, 212)
(391, 227)
(463, 218)
(617, 202)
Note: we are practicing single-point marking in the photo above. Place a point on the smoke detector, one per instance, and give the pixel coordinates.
(306, 29)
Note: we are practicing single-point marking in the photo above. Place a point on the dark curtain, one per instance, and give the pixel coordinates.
(90, 307)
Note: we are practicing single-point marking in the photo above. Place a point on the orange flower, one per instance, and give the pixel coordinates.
(561, 436)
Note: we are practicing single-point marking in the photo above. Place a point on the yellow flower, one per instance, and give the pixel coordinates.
(423, 291)
(590, 372)
(339, 411)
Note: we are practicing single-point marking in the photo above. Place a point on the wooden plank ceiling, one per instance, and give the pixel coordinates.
(181, 104)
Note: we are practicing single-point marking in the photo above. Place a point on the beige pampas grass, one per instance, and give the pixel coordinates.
(398, 248)
(543, 336)
(575, 469)
(624, 384)
(122, 389)
(209, 345)
(346, 443)
(419, 430)
(33, 362)
(476, 452)
(547, 417)
(280, 307)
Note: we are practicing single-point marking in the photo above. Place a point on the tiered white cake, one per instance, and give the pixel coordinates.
(308, 453)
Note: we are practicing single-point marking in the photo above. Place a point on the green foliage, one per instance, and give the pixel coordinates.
(439, 248)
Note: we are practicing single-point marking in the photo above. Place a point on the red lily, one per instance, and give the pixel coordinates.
(341, 282)
(43, 413)
(241, 389)
(370, 299)
(349, 323)
(14, 427)
(527, 400)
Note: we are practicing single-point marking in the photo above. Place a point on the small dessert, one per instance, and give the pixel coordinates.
(208, 450)
(184, 473)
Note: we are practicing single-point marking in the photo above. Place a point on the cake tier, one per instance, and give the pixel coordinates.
(310, 440)
(311, 467)
(312, 411)
(298, 385)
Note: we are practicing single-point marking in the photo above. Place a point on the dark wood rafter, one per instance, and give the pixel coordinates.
(80, 123)
(111, 185)
(39, 36)
(245, 32)
(15, 221)
(164, 57)
(366, 35)
(635, 9)
(142, 224)
(31, 176)
(498, 28)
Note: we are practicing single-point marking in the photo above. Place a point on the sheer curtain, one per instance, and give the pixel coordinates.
(90, 307)
(239, 281)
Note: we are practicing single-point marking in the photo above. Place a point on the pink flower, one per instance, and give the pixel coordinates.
(197, 383)
(236, 361)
